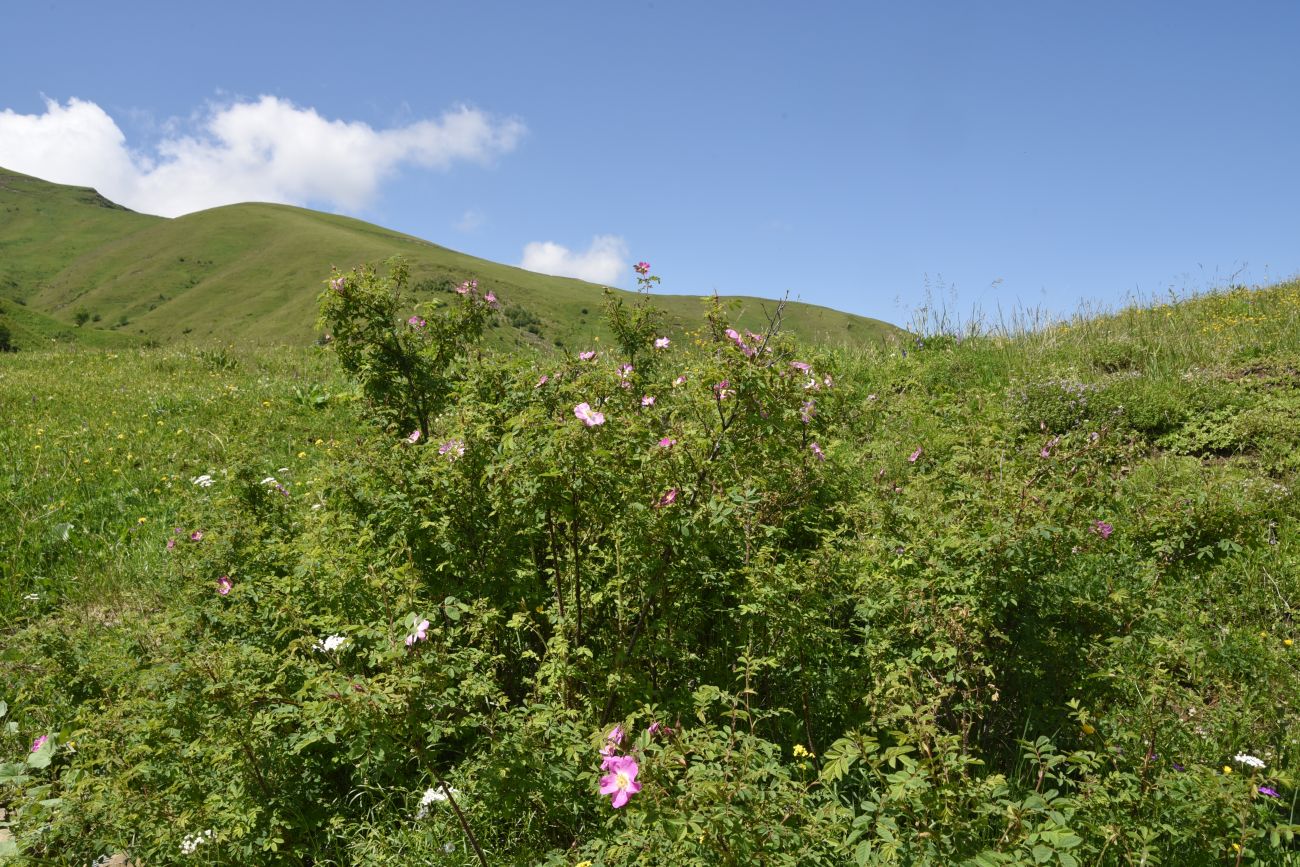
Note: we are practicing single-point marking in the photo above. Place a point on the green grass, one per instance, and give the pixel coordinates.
(252, 272)
(96, 440)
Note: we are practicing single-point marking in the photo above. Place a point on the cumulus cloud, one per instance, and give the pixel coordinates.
(267, 150)
(605, 261)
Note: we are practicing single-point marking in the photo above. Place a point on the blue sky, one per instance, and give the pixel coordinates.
(1034, 154)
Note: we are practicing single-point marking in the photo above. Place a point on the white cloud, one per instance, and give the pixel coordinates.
(605, 261)
(471, 220)
(268, 150)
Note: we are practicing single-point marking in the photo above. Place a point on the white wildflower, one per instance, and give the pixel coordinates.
(203, 481)
(435, 795)
(333, 642)
(1251, 761)
(269, 480)
(193, 841)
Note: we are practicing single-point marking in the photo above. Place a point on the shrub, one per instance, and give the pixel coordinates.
(1053, 405)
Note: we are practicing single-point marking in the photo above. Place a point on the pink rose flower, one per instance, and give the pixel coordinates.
(587, 415)
(621, 781)
(420, 634)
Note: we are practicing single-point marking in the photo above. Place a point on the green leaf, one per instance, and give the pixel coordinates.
(42, 757)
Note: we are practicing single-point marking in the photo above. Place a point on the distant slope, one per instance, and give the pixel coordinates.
(45, 226)
(253, 271)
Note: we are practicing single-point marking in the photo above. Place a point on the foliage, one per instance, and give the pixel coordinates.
(983, 601)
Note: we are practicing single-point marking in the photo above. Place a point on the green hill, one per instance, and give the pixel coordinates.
(253, 271)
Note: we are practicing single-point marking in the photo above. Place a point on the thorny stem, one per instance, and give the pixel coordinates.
(446, 790)
(460, 817)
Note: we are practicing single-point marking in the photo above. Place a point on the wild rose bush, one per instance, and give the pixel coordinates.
(697, 599)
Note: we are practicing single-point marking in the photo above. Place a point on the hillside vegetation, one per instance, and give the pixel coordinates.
(251, 273)
(980, 600)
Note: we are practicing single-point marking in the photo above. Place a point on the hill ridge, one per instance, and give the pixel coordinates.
(252, 271)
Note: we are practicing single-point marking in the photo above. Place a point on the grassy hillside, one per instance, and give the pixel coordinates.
(29, 329)
(991, 600)
(253, 271)
(45, 226)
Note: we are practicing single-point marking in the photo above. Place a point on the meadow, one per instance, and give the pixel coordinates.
(982, 596)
